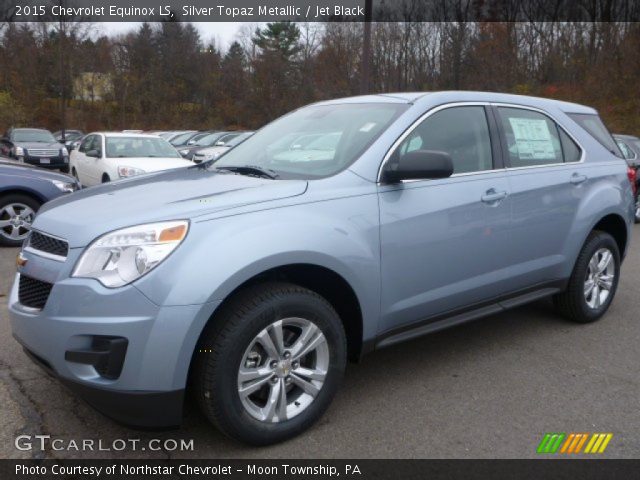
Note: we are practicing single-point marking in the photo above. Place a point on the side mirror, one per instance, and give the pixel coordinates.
(420, 165)
(220, 144)
(93, 153)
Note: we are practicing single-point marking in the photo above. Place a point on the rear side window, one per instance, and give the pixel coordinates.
(592, 124)
(532, 138)
(462, 132)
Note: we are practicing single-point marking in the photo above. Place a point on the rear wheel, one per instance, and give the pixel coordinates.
(16, 215)
(65, 169)
(594, 280)
(105, 178)
(270, 364)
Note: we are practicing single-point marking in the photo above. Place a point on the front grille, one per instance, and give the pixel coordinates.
(43, 152)
(47, 244)
(33, 293)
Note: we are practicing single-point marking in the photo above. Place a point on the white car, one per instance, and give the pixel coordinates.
(223, 145)
(103, 157)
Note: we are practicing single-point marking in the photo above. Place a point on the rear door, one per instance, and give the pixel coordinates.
(443, 241)
(547, 180)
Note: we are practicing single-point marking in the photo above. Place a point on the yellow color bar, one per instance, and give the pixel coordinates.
(591, 442)
(606, 441)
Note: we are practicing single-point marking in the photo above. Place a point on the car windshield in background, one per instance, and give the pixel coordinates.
(138, 147)
(36, 136)
(314, 142)
(208, 140)
(238, 139)
(182, 138)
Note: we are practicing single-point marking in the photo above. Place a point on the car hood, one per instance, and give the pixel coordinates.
(177, 194)
(152, 164)
(27, 171)
(39, 145)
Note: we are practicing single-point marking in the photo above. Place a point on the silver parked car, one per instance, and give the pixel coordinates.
(630, 147)
(258, 275)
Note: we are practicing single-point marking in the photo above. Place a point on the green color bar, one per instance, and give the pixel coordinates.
(543, 443)
(555, 447)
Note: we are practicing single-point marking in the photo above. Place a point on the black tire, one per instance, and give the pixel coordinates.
(572, 303)
(65, 169)
(16, 198)
(74, 172)
(225, 341)
(105, 178)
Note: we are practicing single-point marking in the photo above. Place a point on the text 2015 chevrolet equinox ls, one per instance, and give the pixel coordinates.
(342, 227)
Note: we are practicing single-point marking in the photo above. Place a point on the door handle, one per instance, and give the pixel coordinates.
(493, 196)
(577, 179)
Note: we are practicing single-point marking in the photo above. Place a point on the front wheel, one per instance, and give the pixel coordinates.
(17, 212)
(594, 280)
(270, 364)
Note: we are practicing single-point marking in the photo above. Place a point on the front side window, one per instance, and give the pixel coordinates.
(352, 129)
(534, 139)
(139, 147)
(462, 132)
(85, 145)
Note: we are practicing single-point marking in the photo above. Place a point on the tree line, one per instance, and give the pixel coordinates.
(165, 76)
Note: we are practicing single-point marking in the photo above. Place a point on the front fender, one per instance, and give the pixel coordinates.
(220, 255)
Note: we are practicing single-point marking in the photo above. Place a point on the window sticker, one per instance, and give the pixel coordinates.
(533, 139)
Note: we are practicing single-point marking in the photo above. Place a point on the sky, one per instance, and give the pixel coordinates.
(223, 33)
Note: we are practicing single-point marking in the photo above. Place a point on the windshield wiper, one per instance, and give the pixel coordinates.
(251, 170)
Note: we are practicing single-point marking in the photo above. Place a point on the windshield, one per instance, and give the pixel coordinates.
(238, 139)
(136, 147)
(38, 136)
(208, 139)
(182, 138)
(331, 138)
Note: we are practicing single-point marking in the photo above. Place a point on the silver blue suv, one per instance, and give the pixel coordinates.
(342, 227)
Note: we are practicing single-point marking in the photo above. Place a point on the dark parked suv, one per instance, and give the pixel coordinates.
(35, 146)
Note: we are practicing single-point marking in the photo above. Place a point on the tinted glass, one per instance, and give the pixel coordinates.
(532, 138)
(571, 151)
(356, 125)
(85, 143)
(132, 147)
(462, 132)
(626, 151)
(37, 136)
(593, 125)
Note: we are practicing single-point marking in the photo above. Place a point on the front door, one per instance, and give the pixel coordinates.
(443, 241)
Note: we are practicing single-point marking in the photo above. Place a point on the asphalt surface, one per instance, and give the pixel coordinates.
(488, 389)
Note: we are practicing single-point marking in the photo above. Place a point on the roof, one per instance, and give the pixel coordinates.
(448, 96)
(126, 135)
(622, 136)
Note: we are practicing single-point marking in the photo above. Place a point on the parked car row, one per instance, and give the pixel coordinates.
(630, 147)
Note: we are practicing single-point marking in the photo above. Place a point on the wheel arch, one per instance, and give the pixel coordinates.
(34, 194)
(615, 225)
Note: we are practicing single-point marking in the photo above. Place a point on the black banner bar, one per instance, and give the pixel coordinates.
(312, 469)
(320, 10)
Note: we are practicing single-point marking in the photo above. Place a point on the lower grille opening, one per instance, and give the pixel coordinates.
(33, 293)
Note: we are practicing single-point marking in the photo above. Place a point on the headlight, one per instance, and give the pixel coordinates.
(66, 187)
(125, 171)
(19, 151)
(120, 257)
(64, 151)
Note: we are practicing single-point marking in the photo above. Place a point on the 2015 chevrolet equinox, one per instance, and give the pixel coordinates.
(339, 228)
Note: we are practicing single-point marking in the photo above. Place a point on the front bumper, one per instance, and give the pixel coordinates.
(56, 162)
(148, 389)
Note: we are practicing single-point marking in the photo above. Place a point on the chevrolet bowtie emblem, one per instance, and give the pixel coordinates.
(21, 261)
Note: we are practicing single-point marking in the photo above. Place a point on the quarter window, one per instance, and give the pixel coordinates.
(462, 132)
(534, 139)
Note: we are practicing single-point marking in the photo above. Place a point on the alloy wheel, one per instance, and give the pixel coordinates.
(15, 221)
(601, 273)
(283, 370)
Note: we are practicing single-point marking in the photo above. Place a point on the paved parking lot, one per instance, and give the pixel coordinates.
(489, 389)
